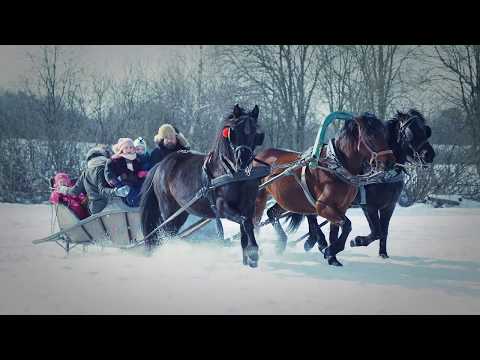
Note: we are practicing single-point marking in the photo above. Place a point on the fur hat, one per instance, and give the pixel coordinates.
(96, 152)
(167, 130)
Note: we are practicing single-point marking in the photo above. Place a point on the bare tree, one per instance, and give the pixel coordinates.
(54, 87)
(286, 75)
(382, 67)
(339, 77)
(461, 65)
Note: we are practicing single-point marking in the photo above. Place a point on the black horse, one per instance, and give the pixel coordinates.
(408, 139)
(174, 181)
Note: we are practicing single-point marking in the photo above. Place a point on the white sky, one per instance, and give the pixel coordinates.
(112, 59)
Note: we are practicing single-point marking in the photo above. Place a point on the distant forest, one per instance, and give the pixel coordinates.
(45, 124)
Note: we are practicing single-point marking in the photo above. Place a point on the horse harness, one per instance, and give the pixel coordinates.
(331, 162)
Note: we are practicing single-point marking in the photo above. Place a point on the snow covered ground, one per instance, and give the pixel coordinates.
(434, 269)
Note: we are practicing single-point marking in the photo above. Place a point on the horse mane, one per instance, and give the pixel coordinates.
(348, 136)
(411, 112)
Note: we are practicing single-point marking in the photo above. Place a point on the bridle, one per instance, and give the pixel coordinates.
(403, 138)
(374, 155)
(237, 150)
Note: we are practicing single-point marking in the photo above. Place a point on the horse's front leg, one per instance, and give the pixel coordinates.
(315, 235)
(249, 244)
(337, 219)
(385, 216)
(244, 218)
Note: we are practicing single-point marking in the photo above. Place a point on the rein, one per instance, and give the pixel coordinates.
(374, 154)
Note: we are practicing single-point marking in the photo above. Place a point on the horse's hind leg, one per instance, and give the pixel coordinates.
(371, 213)
(273, 215)
(260, 204)
(167, 208)
(385, 216)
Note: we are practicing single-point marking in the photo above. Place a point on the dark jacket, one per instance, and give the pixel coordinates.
(117, 168)
(161, 151)
(92, 182)
(145, 162)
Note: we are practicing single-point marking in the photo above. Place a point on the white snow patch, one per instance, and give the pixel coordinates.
(434, 269)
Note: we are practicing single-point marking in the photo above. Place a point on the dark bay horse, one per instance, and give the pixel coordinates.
(408, 136)
(174, 181)
(361, 139)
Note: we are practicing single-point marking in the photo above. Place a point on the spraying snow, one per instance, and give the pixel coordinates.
(434, 269)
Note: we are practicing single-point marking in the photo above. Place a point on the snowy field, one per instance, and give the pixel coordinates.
(434, 269)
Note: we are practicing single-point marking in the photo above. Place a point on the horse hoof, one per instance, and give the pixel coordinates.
(332, 260)
(359, 241)
(251, 255)
(308, 245)
(384, 256)
(326, 253)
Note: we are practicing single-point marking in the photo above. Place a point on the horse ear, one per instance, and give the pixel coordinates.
(428, 131)
(255, 112)
(237, 111)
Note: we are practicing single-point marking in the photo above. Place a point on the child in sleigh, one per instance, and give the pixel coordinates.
(73, 202)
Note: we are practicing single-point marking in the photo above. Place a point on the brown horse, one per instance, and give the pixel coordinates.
(362, 139)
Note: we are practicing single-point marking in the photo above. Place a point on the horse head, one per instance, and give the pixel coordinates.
(413, 135)
(369, 135)
(240, 132)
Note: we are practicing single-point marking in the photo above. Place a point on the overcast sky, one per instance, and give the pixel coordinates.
(113, 59)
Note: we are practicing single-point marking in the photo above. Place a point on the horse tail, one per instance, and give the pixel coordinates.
(150, 216)
(295, 221)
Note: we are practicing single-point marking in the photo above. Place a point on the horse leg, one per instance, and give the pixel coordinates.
(385, 216)
(315, 235)
(260, 204)
(336, 219)
(250, 246)
(339, 244)
(371, 213)
(244, 243)
(167, 208)
(273, 214)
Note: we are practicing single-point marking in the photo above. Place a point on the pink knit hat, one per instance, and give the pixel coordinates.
(120, 146)
(63, 176)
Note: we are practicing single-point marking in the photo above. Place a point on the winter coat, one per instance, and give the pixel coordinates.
(92, 182)
(145, 162)
(118, 174)
(73, 202)
(161, 151)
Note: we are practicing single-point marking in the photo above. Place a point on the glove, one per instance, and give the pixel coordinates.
(84, 201)
(62, 190)
(122, 191)
(142, 173)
